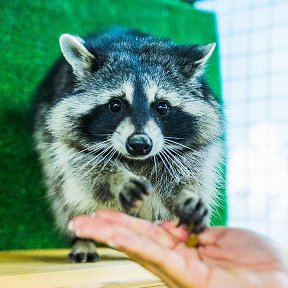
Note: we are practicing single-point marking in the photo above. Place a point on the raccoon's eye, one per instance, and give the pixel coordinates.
(162, 108)
(115, 105)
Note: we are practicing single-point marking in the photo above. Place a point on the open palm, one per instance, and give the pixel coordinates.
(226, 257)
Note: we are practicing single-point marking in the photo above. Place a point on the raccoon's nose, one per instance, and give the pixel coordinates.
(139, 144)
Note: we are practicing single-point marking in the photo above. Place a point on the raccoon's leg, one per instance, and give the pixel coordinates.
(191, 209)
(83, 251)
(128, 188)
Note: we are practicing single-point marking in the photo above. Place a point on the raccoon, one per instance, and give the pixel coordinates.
(126, 121)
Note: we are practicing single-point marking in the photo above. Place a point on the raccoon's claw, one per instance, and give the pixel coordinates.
(84, 257)
(134, 190)
(194, 214)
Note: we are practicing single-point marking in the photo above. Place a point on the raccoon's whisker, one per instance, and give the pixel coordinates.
(104, 159)
(155, 167)
(179, 144)
(112, 153)
(188, 164)
(178, 164)
(174, 146)
(87, 148)
(45, 196)
(118, 157)
(164, 163)
(80, 151)
(192, 159)
(94, 148)
(109, 155)
(98, 162)
(103, 152)
(100, 144)
(95, 157)
(185, 159)
(163, 175)
(172, 150)
(167, 164)
(168, 155)
(54, 150)
(175, 138)
(76, 158)
(100, 149)
(189, 168)
(91, 147)
(215, 211)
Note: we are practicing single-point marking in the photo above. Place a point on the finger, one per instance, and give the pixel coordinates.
(152, 230)
(124, 219)
(119, 237)
(211, 252)
(212, 235)
(85, 226)
(178, 232)
(142, 226)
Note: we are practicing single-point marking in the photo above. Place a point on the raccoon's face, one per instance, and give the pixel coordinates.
(137, 98)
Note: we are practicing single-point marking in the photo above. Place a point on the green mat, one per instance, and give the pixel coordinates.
(29, 44)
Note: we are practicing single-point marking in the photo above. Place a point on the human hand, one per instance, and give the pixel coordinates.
(226, 257)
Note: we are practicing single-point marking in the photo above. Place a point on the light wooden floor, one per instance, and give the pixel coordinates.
(51, 269)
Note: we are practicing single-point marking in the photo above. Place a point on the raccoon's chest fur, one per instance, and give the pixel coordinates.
(126, 121)
(85, 192)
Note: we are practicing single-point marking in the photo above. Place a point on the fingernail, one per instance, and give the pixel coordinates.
(71, 226)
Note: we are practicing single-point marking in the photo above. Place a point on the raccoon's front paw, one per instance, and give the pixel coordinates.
(193, 213)
(83, 251)
(134, 190)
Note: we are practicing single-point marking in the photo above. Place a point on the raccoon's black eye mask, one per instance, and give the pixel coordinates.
(161, 107)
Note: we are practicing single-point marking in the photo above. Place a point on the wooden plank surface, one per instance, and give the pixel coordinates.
(52, 269)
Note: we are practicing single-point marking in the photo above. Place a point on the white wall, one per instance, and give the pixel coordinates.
(253, 37)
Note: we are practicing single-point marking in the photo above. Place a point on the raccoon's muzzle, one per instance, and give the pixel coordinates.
(139, 144)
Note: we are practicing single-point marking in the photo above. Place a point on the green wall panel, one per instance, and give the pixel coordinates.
(29, 44)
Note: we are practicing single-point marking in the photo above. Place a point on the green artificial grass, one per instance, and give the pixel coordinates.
(29, 45)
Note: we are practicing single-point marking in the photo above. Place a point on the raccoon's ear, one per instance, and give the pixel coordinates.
(203, 53)
(195, 58)
(76, 54)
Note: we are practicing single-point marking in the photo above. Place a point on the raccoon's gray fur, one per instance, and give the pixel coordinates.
(125, 121)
